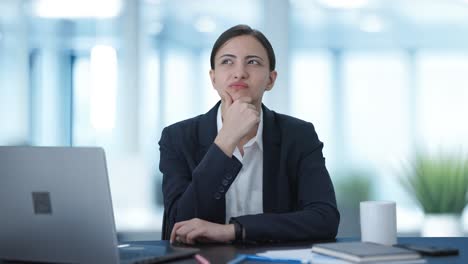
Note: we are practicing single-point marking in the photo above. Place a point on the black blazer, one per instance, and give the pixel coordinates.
(298, 197)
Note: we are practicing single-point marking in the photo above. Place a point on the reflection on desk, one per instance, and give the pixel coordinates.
(217, 253)
(224, 253)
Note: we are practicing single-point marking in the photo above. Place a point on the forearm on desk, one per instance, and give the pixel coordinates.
(318, 223)
(198, 194)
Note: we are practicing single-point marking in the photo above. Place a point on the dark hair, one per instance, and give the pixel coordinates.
(241, 30)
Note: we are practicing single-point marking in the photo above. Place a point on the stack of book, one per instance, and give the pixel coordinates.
(365, 252)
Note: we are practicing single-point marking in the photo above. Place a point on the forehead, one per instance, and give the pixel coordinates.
(242, 46)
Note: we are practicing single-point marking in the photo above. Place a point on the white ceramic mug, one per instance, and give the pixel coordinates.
(378, 222)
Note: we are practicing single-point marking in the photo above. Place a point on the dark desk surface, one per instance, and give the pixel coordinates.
(223, 253)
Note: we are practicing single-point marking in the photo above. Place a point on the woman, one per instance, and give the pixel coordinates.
(242, 172)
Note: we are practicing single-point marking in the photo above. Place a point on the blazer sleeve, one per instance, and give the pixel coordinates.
(316, 216)
(193, 192)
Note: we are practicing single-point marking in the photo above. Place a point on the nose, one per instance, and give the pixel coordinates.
(240, 72)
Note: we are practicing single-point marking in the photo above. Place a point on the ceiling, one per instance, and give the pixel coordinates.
(309, 12)
(314, 22)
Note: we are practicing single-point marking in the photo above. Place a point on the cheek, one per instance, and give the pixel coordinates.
(262, 81)
(217, 80)
(260, 75)
(221, 78)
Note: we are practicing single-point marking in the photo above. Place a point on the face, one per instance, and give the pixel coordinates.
(241, 68)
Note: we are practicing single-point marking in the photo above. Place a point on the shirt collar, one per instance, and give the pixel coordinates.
(258, 137)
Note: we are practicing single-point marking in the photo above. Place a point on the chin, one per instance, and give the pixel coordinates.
(236, 97)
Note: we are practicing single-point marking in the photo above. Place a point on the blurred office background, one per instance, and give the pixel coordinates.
(379, 79)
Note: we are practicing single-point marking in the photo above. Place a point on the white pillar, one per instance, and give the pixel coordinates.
(128, 118)
(51, 92)
(276, 29)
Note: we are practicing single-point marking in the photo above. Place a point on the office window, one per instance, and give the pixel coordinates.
(376, 107)
(209, 93)
(51, 92)
(182, 89)
(149, 107)
(94, 90)
(442, 101)
(311, 95)
(377, 115)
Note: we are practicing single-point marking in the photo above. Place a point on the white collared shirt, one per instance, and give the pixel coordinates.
(245, 195)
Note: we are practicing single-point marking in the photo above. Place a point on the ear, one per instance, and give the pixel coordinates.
(271, 80)
(212, 77)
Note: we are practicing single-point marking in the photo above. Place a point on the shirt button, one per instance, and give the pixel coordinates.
(217, 196)
(225, 182)
(221, 189)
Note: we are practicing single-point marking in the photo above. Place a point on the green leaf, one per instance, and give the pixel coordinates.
(438, 183)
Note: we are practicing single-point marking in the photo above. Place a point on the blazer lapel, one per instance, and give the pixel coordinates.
(271, 159)
(207, 131)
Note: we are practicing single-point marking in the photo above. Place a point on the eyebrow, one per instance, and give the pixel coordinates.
(234, 56)
(254, 57)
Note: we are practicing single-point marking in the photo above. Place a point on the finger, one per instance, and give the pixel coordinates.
(174, 230)
(244, 99)
(249, 109)
(251, 106)
(182, 232)
(225, 97)
(253, 117)
(194, 235)
(173, 233)
(257, 120)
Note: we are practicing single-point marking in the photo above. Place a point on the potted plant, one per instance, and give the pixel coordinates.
(439, 184)
(351, 188)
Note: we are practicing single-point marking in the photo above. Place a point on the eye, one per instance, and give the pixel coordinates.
(253, 61)
(227, 61)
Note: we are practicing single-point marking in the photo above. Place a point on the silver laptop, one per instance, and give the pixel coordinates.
(55, 206)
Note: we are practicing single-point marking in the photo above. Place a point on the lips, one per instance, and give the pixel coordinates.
(239, 85)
